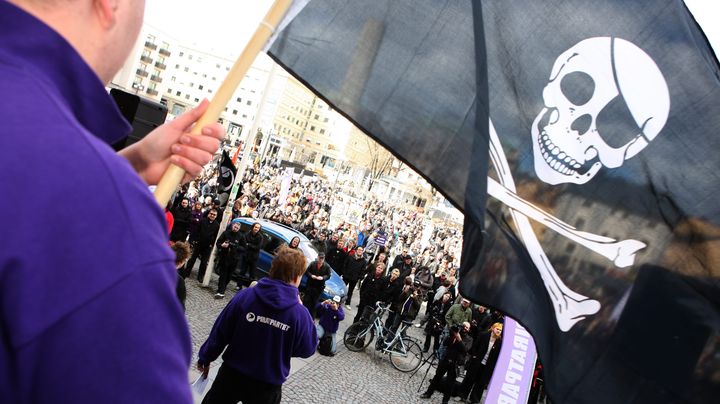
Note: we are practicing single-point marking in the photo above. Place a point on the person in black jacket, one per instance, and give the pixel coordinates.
(230, 244)
(371, 291)
(483, 356)
(352, 271)
(182, 215)
(393, 287)
(317, 273)
(253, 244)
(455, 352)
(209, 228)
(405, 266)
(436, 321)
(336, 256)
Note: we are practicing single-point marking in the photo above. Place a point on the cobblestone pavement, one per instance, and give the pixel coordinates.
(348, 377)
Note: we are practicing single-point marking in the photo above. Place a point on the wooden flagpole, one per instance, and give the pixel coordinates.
(174, 175)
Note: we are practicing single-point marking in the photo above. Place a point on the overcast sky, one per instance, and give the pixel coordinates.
(225, 26)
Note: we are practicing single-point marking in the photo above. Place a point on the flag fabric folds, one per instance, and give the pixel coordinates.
(226, 179)
(600, 122)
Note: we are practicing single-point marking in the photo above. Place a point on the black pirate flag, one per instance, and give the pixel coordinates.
(601, 232)
(226, 179)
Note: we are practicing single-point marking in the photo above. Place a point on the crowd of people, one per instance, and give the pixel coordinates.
(382, 257)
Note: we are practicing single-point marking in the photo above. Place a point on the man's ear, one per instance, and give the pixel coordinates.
(105, 11)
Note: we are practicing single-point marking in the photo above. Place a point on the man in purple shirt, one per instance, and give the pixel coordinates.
(88, 312)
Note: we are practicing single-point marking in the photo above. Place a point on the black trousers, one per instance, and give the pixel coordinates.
(231, 387)
(351, 287)
(444, 368)
(474, 384)
(227, 267)
(204, 255)
(310, 298)
(249, 266)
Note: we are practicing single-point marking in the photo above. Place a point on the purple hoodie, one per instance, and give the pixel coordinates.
(330, 319)
(262, 327)
(88, 312)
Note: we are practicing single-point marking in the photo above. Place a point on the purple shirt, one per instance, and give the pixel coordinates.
(88, 311)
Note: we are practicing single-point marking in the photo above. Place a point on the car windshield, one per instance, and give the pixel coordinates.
(308, 250)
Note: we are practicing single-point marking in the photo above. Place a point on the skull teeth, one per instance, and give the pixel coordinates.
(557, 159)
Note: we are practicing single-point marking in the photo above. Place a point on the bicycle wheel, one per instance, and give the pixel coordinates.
(358, 336)
(407, 356)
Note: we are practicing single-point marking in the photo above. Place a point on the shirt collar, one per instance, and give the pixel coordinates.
(33, 46)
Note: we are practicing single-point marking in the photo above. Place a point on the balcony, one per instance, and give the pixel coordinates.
(146, 59)
(164, 52)
(151, 91)
(141, 73)
(150, 45)
(160, 66)
(156, 79)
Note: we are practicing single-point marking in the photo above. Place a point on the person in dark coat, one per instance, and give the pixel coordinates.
(455, 352)
(436, 321)
(230, 244)
(182, 254)
(483, 356)
(352, 271)
(336, 256)
(196, 216)
(320, 243)
(317, 273)
(405, 266)
(371, 291)
(253, 244)
(406, 306)
(209, 228)
(182, 215)
(393, 287)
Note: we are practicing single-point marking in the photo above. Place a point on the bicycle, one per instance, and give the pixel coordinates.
(405, 353)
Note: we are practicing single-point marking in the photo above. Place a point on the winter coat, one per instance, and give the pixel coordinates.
(208, 232)
(354, 268)
(253, 244)
(329, 319)
(323, 271)
(372, 288)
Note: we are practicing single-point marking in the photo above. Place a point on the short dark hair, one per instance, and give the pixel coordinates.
(288, 264)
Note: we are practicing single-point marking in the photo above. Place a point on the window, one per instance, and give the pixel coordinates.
(214, 78)
(172, 79)
(234, 111)
(187, 69)
(178, 66)
(249, 102)
(197, 99)
(217, 66)
(322, 131)
(178, 93)
(187, 96)
(190, 57)
(238, 99)
(312, 128)
(169, 91)
(200, 87)
(204, 76)
(271, 243)
(317, 116)
(182, 54)
(192, 85)
(325, 120)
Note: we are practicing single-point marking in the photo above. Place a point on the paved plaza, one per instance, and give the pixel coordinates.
(348, 377)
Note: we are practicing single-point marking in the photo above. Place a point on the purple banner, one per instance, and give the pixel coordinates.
(511, 380)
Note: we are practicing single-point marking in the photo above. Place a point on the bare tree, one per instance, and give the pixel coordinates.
(380, 162)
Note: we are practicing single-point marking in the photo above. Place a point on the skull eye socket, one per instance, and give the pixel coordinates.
(577, 87)
(616, 125)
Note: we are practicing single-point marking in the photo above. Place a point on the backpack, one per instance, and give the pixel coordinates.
(325, 346)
